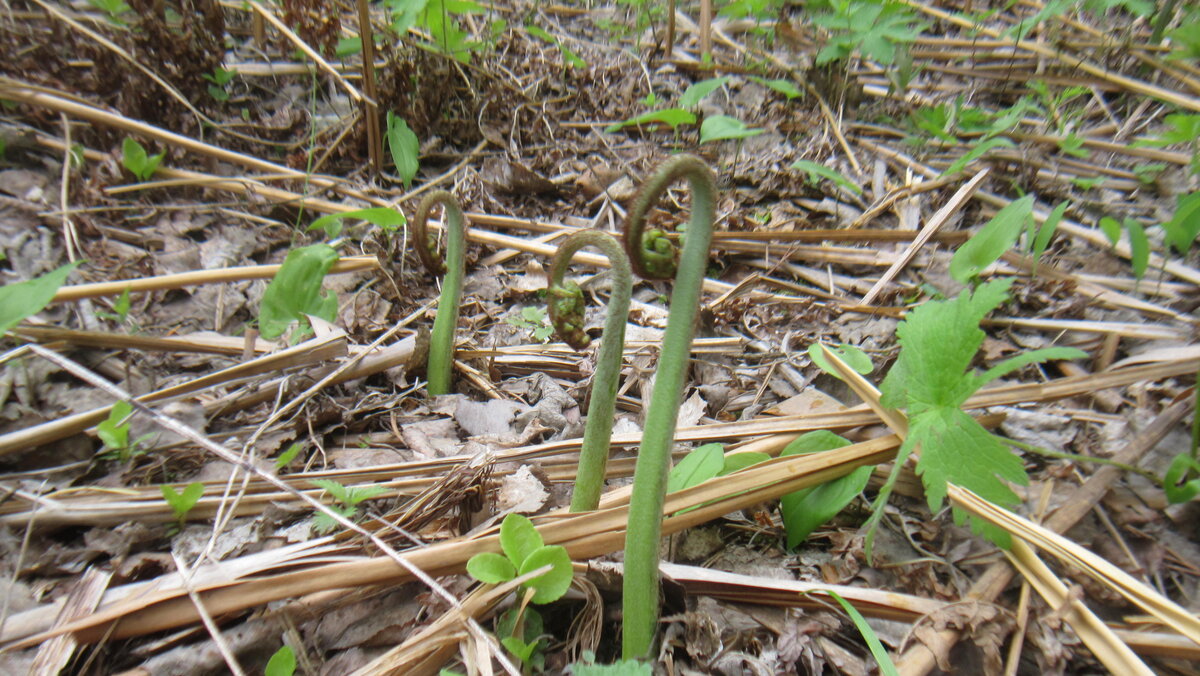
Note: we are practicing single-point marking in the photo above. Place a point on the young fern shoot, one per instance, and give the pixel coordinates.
(653, 255)
(441, 344)
(566, 314)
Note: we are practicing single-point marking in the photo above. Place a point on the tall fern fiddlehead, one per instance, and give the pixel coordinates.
(566, 314)
(649, 255)
(441, 343)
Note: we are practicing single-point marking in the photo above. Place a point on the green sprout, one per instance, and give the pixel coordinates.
(441, 345)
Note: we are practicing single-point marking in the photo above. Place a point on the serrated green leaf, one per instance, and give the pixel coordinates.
(976, 152)
(723, 127)
(296, 290)
(954, 447)
(25, 299)
(333, 488)
(491, 568)
(702, 464)
(854, 358)
(359, 494)
(404, 147)
(519, 538)
(817, 171)
(696, 92)
(1183, 129)
(992, 240)
(669, 116)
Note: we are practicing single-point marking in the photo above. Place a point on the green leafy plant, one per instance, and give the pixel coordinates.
(182, 502)
(113, 8)
(404, 147)
(931, 380)
(566, 305)
(703, 463)
(1184, 225)
(876, 29)
(816, 172)
(347, 499)
(996, 237)
(114, 432)
(219, 78)
(588, 667)
(1139, 244)
(672, 117)
(696, 92)
(723, 127)
(135, 159)
(854, 358)
(524, 552)
(287, 456)
(805, 510)
(785, 87)
(649, 251)
(296, 291)
(24, 299)
(886, 667)
(440, 20)
(1178, 482)
(522, 630)
(441, 344)
(120, 308)
(282, 662)
(535, 320)
(571, 58)
(387, 219)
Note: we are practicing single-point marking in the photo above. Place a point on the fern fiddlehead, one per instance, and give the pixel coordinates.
(648, 255)
(566, 306)
(441, 344)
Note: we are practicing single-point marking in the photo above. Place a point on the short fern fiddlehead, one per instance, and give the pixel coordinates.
(566, 314)
(441, 344)
(650, 476)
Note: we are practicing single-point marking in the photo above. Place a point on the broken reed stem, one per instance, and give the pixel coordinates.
(566, 314)
(441, 344)
(640, 587)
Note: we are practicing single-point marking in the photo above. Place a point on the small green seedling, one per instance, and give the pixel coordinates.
(993, 239)
(25, 299)
(282, 663)
(135, 159)
(886, 666)
(387, 219)
(219, 79)
(785, 87)
(672, 117)
(347, 499)
(405, 148)
(296, 291)
(524, 552)
(977, 151)
(571, 58)
(113, 8)
(1139, 244)
(931, 380)
(114, 432)
(182, 502)
(1184, 225)
(703, 463)
(120, 308)
(1178, 483)
(816, 172)
(803, 511)
(723, 128)
(877, 29)
(535, 320)
(695, 93)
(852, 355)
(440, 364)
(287, 456)
(522, 630)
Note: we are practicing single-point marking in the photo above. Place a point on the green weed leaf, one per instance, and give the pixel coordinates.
(669, 116)
(722, 127)
(817, 171)
(134, 158)
(519, 538)
(1111, 229)
(782, 86)
(1042, 239)
(114, 431)
(1183, 129)
(491, 568)
(520, 649)
(854, 358)
(389, 220)
(287, 456)
(1139, 247)
(992, 240)
(25, 299)
(1185, 223)
(282, 663)
(696, 92)
(333, 488)
(702, 464)
(1180, 468)
(182, 503)
(588, 667)
(738, 461)
(549, 586)
(296, 291)
(805, 510)
(977, 151)
(405, 148)
(886, 667)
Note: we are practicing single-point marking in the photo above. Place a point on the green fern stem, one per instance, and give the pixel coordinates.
(566, 314)
(441, 344)
(640, 590)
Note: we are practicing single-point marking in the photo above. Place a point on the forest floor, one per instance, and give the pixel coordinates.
(857, 148)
